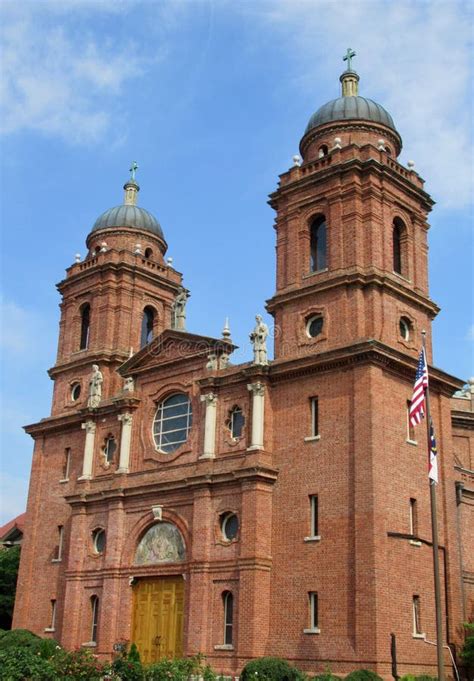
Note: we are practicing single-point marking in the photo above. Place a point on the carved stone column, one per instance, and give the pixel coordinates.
(90, 427)
(125, 440)
(258, 414)
(209, 426)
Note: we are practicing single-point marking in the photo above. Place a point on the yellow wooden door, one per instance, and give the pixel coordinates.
(157, 627)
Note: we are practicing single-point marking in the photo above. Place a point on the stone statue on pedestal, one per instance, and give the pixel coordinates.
(95, 387)
(179, 310)
(258, 338)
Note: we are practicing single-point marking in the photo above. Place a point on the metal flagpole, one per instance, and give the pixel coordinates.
(434, 531)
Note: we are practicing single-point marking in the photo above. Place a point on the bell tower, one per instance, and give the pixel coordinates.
(351, 231)
(114, 302)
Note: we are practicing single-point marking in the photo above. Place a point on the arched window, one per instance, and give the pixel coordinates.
(148, 321)
(94, 617)
(318, 244)
(148, 253)
(323, 151)
(236, 422)
(85, 326)
(398, 236)
(228, 603)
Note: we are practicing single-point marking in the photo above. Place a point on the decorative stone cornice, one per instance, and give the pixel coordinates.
(87, 357)
(315, 284)
(150, 490)
(363, 352)
(462, 419)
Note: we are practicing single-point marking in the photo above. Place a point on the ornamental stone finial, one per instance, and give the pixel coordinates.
(349, 79)
(131, 187)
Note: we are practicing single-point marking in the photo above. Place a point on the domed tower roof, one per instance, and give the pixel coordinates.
(350, 107)
(129, 214)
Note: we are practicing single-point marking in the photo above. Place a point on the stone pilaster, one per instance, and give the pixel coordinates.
(90, 427)
(209, 425)
(258, 414)
(125, 441)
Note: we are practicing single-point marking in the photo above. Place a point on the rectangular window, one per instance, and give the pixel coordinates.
(410, 428)
(416, 617)
(67, 463)
(313, 611)
(314, 416)
(53, 614)
(413, 518)
(59, 548)
(314, 509)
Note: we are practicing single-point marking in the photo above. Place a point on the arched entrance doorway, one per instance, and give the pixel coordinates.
(158, 601)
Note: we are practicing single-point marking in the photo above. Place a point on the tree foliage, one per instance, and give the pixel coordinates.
(9, 561)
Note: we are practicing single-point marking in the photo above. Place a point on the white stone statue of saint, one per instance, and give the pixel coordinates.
(129, 385)
(179, 310)
(95, 387)
(258, 338)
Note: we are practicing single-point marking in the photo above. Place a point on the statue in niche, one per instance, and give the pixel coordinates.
(258, 338)
(95, 387)
(129, 385)
(211, 362)
(179, 310)
(162, 543)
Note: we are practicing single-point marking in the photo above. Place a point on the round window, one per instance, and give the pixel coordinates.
(229, 526)
(173, 420)
(98, 540)
(405, 328)
(75, 391)
(314, 326)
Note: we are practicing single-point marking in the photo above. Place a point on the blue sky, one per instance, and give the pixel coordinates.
(211, 98)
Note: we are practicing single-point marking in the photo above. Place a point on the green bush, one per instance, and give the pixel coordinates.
(326, 676)
(270, 669)
(133, 654)
(363, 675)
(467, 653)
(20, 664)
(77, 665)
(179, 669)
(21, 638)
(422, 677)
(127, 670)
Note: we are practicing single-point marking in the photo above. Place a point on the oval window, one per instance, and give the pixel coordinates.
(405, 328)
(98, 540)
(229, 526)
(173, 420)
(314, 326)
(75, 391)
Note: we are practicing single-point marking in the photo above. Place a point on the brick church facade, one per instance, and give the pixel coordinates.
(268, 508)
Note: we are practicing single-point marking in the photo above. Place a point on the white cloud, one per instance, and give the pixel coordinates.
(57, 80)
(413, 57)
(24, 334)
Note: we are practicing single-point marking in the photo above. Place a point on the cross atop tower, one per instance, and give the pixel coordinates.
(348, 56)
(134, 167)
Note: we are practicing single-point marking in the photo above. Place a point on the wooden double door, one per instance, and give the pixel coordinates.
(157, 626)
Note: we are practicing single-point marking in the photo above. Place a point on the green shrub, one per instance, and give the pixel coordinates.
(363, 675)
(326, 676)
(20, 664)
(270, 669)
(179, 669)
(422, 677)
(127, 669)
(21, 638)
(133, 654)
(467, 652)
(77, 665)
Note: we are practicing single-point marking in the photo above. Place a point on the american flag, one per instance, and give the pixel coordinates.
(433, 465)
(417, 404)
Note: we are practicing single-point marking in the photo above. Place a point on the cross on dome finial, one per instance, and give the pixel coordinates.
(348, 56)
(133, 169)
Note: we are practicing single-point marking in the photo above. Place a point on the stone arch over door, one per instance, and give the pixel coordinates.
(161, 543)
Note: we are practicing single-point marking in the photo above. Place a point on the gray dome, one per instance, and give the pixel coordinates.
(350, 108)
(129, 216)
